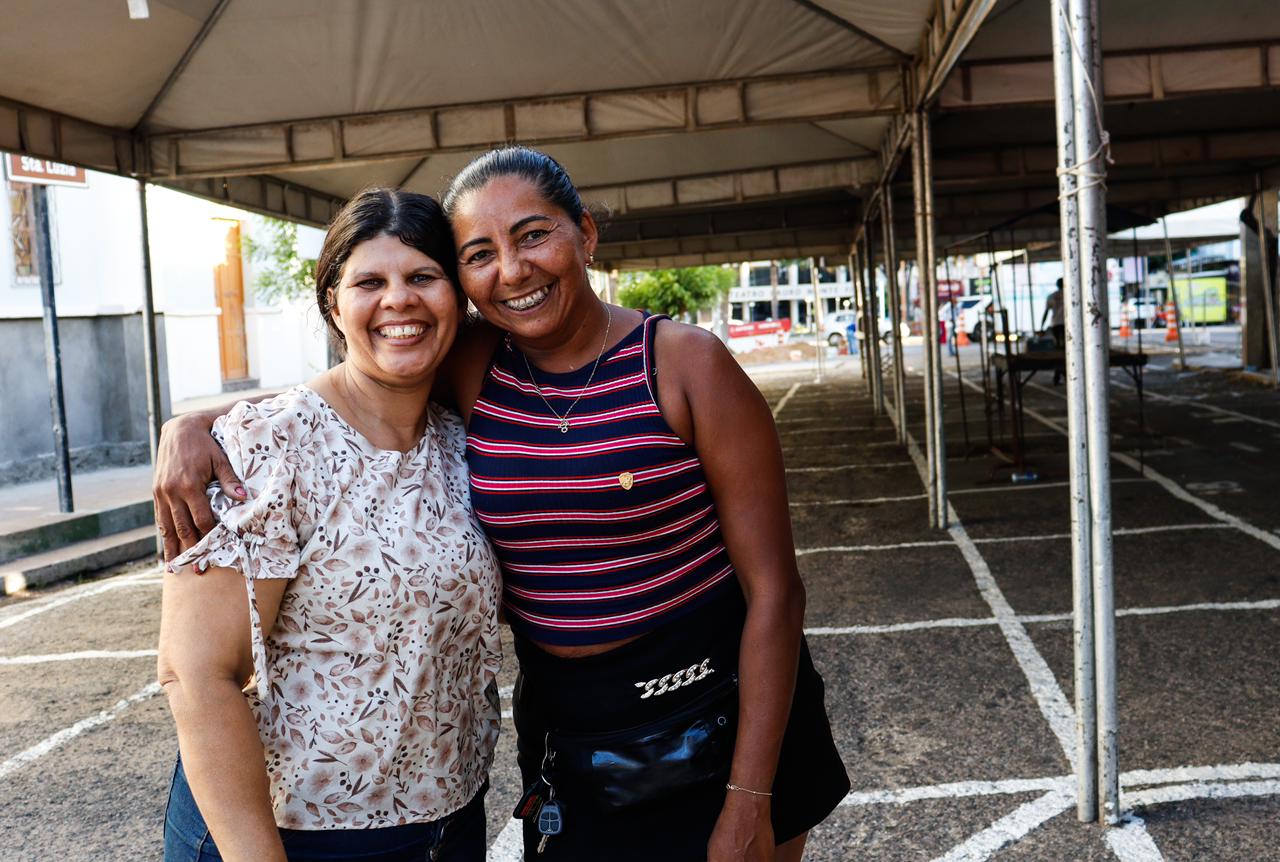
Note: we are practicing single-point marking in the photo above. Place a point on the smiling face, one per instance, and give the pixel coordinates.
(521, 259)
(397, 311)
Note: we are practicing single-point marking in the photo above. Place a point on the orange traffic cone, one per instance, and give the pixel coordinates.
(1125, 330)
(962, 337)
(1171, 322)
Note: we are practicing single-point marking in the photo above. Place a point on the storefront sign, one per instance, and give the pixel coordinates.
(29, 169)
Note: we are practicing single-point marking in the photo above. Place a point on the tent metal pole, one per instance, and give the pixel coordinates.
(895, 316)
(818, 341)
(1083, 757)
(922, 265)
(52, 348)
(1086, 81)
(877, 376)
(929, 284)
(1266, 252)
(859, 313)
(151, 356)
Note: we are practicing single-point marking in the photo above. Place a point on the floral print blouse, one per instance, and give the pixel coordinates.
(375, 691)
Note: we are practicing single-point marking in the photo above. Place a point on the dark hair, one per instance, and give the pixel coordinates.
(416, 220)
(1059, 284)
(543, 172)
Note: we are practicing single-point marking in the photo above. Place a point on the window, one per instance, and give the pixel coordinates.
(22, 234)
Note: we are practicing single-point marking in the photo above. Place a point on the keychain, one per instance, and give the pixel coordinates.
(550, 815)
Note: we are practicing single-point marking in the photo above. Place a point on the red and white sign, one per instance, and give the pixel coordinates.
(762, 327)
(29, 169)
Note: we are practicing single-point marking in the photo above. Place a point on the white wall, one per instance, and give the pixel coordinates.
(98, 246)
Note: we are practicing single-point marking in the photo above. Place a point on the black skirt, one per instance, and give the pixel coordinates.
(604, 692)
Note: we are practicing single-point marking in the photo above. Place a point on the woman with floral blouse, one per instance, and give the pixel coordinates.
(354, 587)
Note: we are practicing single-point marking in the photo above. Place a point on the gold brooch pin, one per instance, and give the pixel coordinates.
(626, 480)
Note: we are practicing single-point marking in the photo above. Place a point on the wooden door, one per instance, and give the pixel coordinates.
(228, 279)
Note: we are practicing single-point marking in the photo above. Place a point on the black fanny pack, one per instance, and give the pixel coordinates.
(653, 761)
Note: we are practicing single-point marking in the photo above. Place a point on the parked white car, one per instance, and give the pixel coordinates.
(836, 326)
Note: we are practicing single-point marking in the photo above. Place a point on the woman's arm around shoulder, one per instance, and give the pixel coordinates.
(461, 374)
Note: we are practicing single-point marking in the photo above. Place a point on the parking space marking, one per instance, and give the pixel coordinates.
(1036, 486)
(782, 402)
(40, 749)
(840, 467)
(1212, 408)
(81, 655)
(865, 501)
(27, 610)
(1023, 820)
(878, 444)
(1178, 491)
(785, 432)
(1202, 790)
(1131, 841)
(1000, 540)
(1245, 447)
(509, 845)
(1033, 619)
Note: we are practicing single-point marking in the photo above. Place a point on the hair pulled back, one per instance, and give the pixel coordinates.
(416, 220)
(539, 169)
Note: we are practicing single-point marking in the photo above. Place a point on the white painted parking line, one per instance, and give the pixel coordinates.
(509, 845)
(848, 549)
(864, 501)
(1246, 447)
(1033, 619)
(841, 467)
(1035, 486)
(1212, 408)
(1201, 790)
(782, 402)
(40, 749)
(1131, 841)
(28, 610)
(829, 429)
(878, 444)
(1001, 540)
(81, 655)
(1178, 491)
(1016, 824)
(957, 790)
(1132, 780)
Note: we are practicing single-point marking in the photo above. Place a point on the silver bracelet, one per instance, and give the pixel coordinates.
(732, 786)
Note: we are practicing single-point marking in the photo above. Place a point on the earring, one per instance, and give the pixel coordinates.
(591, 258)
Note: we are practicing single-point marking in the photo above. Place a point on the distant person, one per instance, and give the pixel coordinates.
(354, 585)
(1053, 313)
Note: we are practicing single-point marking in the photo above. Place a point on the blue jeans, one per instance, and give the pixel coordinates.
(459, 837)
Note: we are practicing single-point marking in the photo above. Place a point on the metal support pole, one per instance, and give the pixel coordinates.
(877, 377)
(1266, 252)
(155, 406)
(1084, 755)
(1173, 291)
(52, 349)
(773, 290)
(860, 312)
(929, 288)
(922, 264)
(895, 315)
(818, 341)
(1086, 87)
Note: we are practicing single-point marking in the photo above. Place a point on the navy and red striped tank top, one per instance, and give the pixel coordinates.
(604, 532)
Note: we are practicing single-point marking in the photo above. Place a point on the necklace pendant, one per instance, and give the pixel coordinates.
(564, 426)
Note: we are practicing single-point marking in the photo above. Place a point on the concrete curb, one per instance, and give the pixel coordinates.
(87, 556)
(74, 528)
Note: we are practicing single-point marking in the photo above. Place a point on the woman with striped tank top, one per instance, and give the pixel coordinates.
(630, 478)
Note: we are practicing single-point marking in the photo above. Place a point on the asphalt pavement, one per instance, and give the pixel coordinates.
(947, 654)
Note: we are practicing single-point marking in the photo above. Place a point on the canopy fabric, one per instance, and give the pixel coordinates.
(670, 115)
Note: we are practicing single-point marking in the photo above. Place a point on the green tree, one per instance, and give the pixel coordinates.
(283, 274)
(676, 291)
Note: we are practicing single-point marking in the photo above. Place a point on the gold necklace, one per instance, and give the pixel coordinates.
(564, 420)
